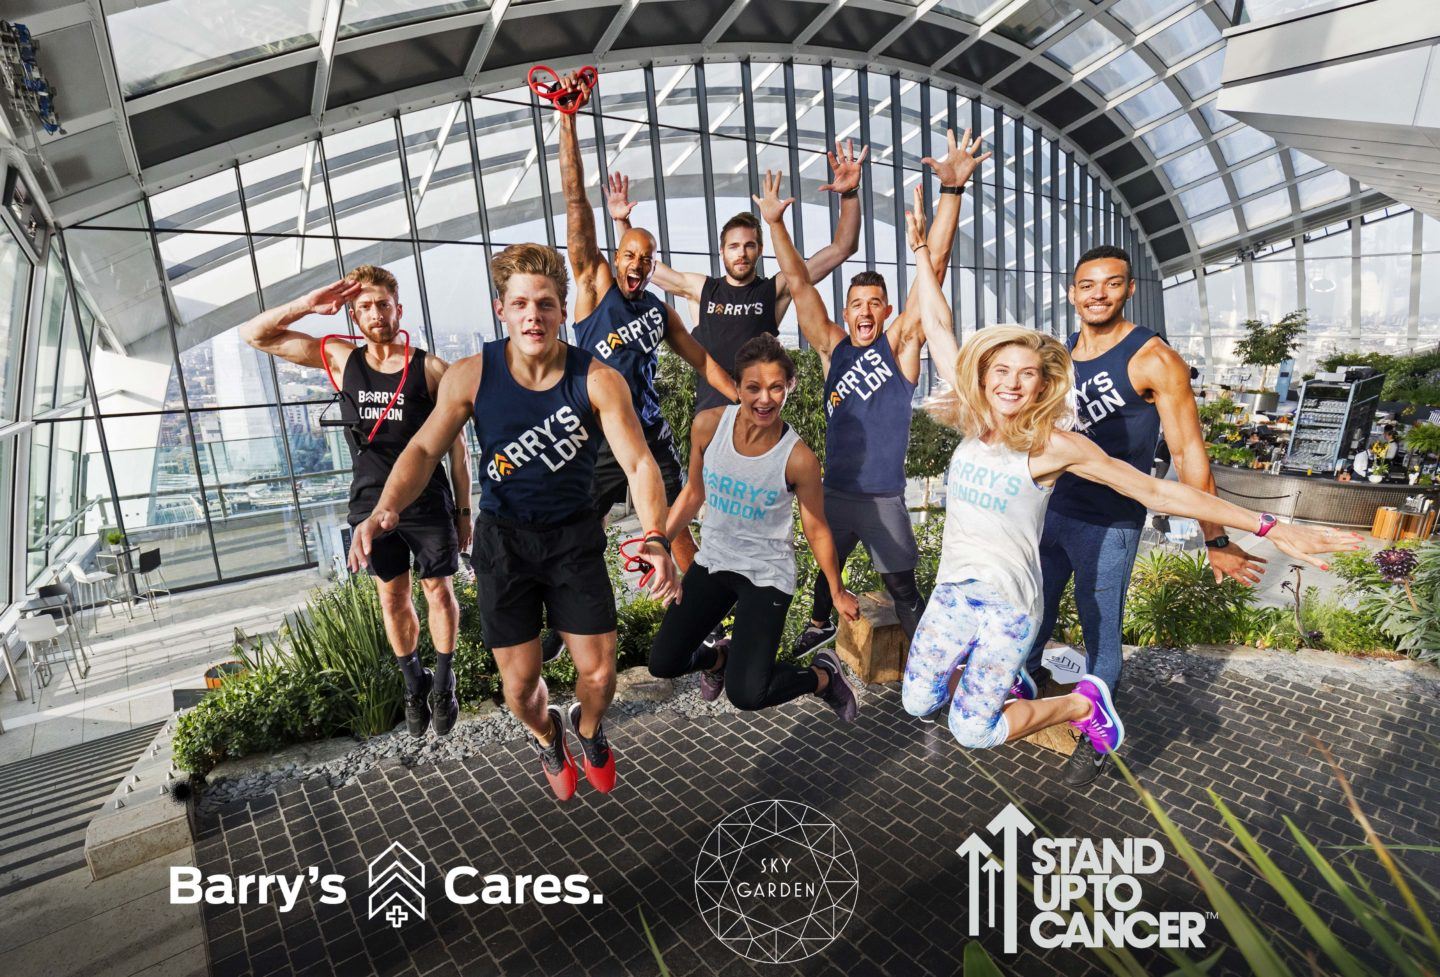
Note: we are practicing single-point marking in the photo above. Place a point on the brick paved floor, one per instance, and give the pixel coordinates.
(901, 791)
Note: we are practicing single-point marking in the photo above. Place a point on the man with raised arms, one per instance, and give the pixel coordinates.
(430, 530)
(540, 407)
(870, 375)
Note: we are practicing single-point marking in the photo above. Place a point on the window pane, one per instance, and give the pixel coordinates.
(1215, 228)
(364, 167)
(1268, 209)
(14, 290)
(52, 324)
(1258, 176)
(1173, 135)
(285, 192)
(1194, 165)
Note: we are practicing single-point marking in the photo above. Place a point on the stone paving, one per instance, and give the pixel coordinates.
(901, 791)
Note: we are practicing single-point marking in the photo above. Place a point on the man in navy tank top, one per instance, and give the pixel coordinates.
(540, 408)
(385, 413)
(618, 319)
(871, 371)
(1129, 385)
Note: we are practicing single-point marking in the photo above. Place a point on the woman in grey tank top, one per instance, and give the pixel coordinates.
(1010, 398)
(746, 468)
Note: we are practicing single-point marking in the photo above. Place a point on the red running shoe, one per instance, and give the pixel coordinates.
(556, 761)
(595, 754)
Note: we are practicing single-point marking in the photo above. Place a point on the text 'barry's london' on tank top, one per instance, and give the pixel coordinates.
(867, 428)
(365, 392)
(537, 447)
(994, 513)
(731, 316)
(1111, 413)
(747, 527)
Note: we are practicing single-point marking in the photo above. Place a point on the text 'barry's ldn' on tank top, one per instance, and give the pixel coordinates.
(537, 447)
(365, 392)
(867, 428)
(1113, 415)
(626, 334)
(731, 316)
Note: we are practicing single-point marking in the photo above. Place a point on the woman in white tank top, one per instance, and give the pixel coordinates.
(1011, 402)
(746, 468)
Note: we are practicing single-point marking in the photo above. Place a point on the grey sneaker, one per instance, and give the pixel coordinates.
(1084, 765)
(838, 695)
(813, 638)
(417, 709)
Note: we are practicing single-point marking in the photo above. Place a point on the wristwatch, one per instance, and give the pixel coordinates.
(1218, 543)
(957, 191)
(1267, 523)
(849, 194)
(465, 512)
(660, 538)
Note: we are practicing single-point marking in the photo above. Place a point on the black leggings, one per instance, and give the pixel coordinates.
(903, 590)
(753, 678)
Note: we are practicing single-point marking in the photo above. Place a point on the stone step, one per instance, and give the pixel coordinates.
(140, 821)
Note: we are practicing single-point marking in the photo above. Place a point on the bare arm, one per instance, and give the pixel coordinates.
(803, 471)
(930, 306)
(815, 321)
(845, 167)
(693, 353)
(454, 404)
(592, 271)
(692, 496)
(1075, 453)
(270, 331)
(683, 283)
(612, 401)
(435, 369)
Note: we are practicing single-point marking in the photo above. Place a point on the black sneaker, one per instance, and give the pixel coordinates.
(1084, 764)
(417, 710)
(838, 695)
(595, 753)
(444, 708)
(555, 760)
(813, 638)
(551, 644)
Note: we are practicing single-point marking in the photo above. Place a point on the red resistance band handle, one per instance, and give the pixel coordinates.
(634, 562)
(404, 372)
(570, 101)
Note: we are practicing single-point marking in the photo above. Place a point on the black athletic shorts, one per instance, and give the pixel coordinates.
(610, 484)
(526, 573)
(434, 544)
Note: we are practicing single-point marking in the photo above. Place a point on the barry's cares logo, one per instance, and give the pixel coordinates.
(1060, 874)
(397, 885)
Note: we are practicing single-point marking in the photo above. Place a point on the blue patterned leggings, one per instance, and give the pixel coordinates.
(967, 625)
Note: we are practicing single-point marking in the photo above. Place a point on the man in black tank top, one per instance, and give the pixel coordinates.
(385, 414)
(539, 545)
(731, 310)
(1096, 541)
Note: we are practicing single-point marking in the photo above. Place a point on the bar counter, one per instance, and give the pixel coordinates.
(1314, 498)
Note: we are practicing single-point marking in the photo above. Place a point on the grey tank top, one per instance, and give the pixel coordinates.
(748, 525)
(994, 513)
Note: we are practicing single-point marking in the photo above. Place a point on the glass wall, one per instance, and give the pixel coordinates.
(1363, 284)
(213, 452)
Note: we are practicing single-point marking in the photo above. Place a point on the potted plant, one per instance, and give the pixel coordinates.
(1423, 439)
(1268, 346)
(1378, 471)
(116, 539)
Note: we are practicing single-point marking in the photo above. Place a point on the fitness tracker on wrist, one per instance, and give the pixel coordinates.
(1218, 543)
(850, 194)
(465, 512)
(660, 538)
(957, 191)
(1267, 523)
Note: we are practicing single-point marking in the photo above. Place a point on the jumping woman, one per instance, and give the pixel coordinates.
(1010, 388)
(746, 467)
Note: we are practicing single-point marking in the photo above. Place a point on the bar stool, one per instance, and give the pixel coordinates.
(42, 638)
(93, 579)
(148, 564)
(66, 615)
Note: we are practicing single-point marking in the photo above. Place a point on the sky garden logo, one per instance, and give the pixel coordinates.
(1060, 874)
(395, 883)
(776, 881)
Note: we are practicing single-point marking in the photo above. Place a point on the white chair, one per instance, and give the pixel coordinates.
(93, 580)
(42, 637)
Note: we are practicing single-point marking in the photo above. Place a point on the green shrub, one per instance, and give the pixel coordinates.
(1266, 627)
(1341, 628)
(1409, 612)
(1174, 602)
(1407, 378)
(259, 710)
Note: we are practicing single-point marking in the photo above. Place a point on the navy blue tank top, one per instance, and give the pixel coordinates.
(537, 447)
(626, 334)
(867, 406)
(1122, 423)
(365, 392)
(731, 316)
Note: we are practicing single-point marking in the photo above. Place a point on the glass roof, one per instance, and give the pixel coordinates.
(1151, 66)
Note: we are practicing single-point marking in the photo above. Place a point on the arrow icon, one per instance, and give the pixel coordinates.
(1010, 824)
(991, 868)
(977, 851)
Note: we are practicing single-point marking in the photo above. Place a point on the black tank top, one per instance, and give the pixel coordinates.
(365, 392)
(537, 447)
(1121, 422)
(730, 316)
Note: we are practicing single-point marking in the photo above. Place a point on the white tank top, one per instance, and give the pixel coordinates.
(994, 513)
(748, 525)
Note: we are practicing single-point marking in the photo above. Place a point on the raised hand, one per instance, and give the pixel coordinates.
(960, 161)
(845, 167)
(575, 82)
(331, 298)
(617, 198)
(915, 221)
(772, 208)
